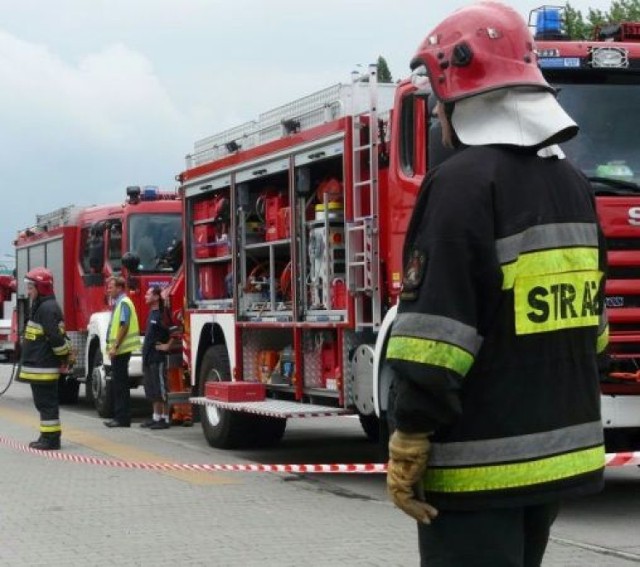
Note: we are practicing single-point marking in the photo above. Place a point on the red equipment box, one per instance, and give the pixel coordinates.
(235, 391)
(201, 210)
(211, 281)
(203, 235)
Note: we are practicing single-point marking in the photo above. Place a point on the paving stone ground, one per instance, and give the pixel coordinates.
(56, 513)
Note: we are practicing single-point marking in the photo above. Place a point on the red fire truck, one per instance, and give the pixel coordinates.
(8, 339)
(294, 227)
(139, 239)
(598, 83)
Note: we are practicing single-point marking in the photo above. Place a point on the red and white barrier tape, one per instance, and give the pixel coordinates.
(364, 468)
(612, 460)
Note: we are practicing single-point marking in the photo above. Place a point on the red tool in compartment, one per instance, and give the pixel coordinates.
(330, 365)
(273, 209)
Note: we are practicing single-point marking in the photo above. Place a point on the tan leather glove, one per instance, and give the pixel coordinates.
(408, 454)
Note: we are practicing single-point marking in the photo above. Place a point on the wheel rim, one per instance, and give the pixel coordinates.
(97, 382)
(213, 414)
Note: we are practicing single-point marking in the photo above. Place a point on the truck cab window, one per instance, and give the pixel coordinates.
(151, 236)
(406, 141)
(92, 250)
(115, 246)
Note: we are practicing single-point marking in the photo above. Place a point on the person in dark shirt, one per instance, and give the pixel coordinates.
(156, 343)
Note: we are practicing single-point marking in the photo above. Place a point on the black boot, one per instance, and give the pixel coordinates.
(45, 443)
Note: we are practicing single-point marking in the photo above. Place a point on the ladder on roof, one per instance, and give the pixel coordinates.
(54, 219)
(363, 253)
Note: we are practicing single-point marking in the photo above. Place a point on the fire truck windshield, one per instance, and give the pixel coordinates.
(151, 236)
(608, 116)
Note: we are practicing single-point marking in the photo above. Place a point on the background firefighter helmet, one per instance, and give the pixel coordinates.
(42, 279)
(479, 48)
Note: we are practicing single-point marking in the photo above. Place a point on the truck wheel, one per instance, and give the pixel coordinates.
(101, 388)
(68, 389)
(371, 426)
(223, 429)
(268, 431)
(96, 360)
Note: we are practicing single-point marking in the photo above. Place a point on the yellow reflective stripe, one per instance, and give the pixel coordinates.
(549, 262)
(50, 428)
(556, 301)
(514, 475)
(61, 350)
(40, 376)
(603, 340)
(425, 351)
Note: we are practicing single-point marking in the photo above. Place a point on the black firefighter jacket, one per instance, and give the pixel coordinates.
(500, 318)
(45, 346)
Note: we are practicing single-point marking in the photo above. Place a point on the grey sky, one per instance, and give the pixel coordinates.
(100, 94)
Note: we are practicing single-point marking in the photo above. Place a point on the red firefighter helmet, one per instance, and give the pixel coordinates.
(42, 279)
(479, 48)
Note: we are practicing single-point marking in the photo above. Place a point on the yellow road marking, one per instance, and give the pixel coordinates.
(120, 451)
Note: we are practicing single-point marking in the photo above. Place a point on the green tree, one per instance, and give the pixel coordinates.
(384, 75)
(578, 26)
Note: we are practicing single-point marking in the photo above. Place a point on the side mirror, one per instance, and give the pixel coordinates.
(131, 261)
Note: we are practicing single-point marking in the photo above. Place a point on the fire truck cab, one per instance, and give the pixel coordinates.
(139, 239)
(598, 84)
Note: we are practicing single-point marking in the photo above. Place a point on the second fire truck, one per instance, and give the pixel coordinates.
(294, 228)
(139, 239)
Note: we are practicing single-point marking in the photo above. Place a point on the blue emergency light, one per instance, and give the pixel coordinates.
(150, 193)
(549, 21)
(549, 24)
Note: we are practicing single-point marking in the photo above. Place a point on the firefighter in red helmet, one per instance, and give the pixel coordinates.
(45, 349)
(494, 349)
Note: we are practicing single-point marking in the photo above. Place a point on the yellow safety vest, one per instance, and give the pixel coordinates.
(131, 341)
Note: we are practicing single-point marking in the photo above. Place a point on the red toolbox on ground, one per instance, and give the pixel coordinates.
(235, 391)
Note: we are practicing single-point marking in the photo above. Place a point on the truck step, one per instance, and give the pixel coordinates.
(275, 408)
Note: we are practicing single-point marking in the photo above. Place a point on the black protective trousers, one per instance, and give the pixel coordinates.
(501, 537)
(120, 388)
(45, 398)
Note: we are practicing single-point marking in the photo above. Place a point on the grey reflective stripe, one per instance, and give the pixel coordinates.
(544, 237)
(520, 448)
(49, 422)
(32, 325)
(437, 328)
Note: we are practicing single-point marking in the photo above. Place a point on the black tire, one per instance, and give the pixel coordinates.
(371, 427)
(223, 429)
(68, 390)
(100, 389)
(383, 441)
(267, 431)
(96, 360)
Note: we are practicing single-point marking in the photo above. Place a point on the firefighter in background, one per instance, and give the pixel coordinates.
(45, 349)
(495, 397)
(123, 338)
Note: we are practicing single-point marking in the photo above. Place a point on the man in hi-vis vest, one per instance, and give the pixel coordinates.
(123, 338)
